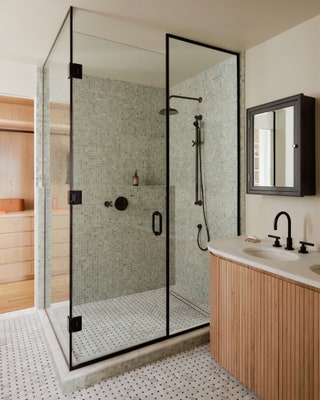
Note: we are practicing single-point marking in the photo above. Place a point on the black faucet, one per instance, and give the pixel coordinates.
(275, 227)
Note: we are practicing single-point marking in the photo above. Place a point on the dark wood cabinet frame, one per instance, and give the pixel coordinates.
(304, 146)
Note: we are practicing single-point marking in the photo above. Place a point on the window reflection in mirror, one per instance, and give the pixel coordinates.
(273, 148)
(263, 149)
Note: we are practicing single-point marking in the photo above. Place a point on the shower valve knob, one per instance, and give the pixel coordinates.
(108, 203)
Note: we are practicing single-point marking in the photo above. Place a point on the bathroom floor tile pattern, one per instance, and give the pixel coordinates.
(27, 374)
(115, 324)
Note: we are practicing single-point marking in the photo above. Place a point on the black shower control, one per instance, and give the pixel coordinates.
(108, 203)
(121, 203)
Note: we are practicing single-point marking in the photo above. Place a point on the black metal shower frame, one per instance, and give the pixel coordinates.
(168, 37)
(237, 55)
(167, 336)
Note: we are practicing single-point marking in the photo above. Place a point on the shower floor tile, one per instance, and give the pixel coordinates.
(27, 373)
(115, 324)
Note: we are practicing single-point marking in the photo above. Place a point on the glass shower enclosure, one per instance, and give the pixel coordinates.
(126, 264)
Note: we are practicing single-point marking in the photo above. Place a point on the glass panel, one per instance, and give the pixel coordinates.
(273, 148)
(56, 146)
(119, 263)
(203, 171)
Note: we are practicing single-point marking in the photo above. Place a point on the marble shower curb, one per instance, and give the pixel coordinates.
(89, 375)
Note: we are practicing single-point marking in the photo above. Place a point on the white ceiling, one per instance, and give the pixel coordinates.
(29, 27)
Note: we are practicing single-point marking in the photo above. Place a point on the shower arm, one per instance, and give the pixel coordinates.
(199, 99)
(173, 111)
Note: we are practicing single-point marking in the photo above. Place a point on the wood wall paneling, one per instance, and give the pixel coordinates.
(16, 167)
(17, 181)
(16, 113)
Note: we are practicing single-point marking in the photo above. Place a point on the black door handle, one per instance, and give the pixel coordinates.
(154, 215)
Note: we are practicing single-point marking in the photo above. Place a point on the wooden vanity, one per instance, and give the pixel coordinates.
(265, 329)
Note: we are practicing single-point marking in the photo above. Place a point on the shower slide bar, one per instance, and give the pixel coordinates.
(196, 143)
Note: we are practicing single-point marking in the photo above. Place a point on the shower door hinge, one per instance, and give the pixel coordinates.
(75, 197)
(75, 71)
(75, 324)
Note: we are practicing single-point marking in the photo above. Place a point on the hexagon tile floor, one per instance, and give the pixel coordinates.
(26, 373)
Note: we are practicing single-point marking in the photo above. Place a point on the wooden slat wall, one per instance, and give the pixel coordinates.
(265, 331)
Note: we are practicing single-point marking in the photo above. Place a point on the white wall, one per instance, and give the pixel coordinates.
(286, 65)
(18, 80)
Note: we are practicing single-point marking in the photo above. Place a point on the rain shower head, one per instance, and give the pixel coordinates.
(173, 111)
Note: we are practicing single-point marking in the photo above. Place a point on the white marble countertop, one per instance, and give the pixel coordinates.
(297, 269)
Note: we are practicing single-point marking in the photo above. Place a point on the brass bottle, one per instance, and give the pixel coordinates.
(135, 179)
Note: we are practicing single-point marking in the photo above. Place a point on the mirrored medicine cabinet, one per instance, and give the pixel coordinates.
(281, 147)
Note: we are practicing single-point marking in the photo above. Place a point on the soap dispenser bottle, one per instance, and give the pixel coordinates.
(135, 179)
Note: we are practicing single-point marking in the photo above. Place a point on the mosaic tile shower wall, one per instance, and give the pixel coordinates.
(117, 130)
(217, 87)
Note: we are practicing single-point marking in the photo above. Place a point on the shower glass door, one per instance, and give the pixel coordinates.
(56, 182)
(203, 98)
(140, 172)
(118, 228)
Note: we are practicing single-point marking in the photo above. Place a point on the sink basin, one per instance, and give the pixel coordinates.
(271, 253)
(315, 268)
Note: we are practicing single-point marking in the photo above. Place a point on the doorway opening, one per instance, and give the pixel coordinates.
(16, 203)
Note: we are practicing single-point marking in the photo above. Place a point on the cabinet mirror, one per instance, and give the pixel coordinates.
(281, 147)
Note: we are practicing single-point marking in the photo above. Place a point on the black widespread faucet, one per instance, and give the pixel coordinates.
(275, 227)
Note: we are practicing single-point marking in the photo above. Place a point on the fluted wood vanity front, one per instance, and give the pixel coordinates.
(265, 330)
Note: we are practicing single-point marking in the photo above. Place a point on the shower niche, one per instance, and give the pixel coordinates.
(128, 278)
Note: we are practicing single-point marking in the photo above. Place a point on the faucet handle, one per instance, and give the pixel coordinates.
(276, 242)
(303, 248)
